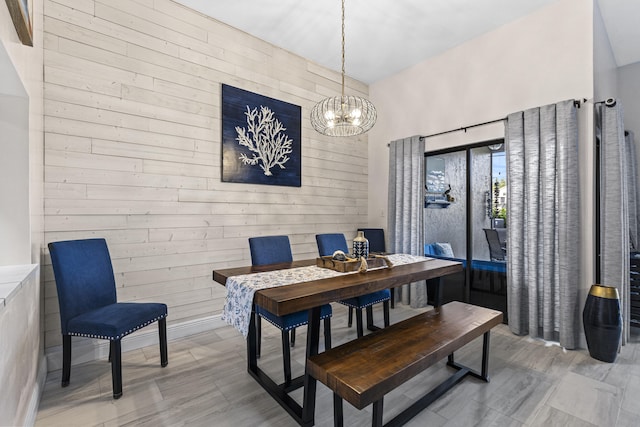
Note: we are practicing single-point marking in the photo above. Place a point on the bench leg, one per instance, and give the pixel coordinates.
(484, 370)
(377, 413)
(338, 420)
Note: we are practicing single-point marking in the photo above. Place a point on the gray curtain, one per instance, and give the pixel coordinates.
(615, 231)
(632, 190)
(406, 207)
(543, 250)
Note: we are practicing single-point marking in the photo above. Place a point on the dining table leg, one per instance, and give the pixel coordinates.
(252, 344)
(434, 291)
(309, 394)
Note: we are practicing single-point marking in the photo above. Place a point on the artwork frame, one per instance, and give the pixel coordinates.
(261, 139)
(20, 11)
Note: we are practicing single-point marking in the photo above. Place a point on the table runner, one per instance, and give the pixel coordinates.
(240, 289)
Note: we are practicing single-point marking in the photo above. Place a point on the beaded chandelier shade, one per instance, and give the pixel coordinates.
(343, 115)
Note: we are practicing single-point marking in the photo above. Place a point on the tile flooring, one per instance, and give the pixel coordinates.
(206, 384)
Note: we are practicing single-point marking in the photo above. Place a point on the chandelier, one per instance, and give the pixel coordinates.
(343, 115)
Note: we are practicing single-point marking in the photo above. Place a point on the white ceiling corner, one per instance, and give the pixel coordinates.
(384, 37)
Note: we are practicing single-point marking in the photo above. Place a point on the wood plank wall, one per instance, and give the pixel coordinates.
(132, 150)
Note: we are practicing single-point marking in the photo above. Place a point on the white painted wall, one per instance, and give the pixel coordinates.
(21, 360)
(22, 77)
(22, 364)
(629, 95)
(540, 59)
(132, 150)
(14, 167)
(628, 91)
(604, 63)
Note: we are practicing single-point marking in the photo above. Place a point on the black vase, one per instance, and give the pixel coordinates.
(603, 322)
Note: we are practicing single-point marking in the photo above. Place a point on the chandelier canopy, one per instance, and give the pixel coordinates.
(343, 115)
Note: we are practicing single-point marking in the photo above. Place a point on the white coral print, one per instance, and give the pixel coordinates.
(265, 138)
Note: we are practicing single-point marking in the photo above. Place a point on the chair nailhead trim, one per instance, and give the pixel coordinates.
(104, 337)
(288, 328)
(363, 306)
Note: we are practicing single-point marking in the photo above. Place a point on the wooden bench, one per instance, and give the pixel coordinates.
(364, 370)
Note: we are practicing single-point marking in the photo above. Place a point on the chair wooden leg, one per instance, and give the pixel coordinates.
(286, 357)
(162, 331)
(66, 359)
(369, 311)
(393, 297)
(359, 329)
(327, 333)
(385, 311)
(116, 368)
(350, 322)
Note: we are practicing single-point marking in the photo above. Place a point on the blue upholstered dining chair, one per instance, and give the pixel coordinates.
(328, 243)
(274, 250)
(377, 244)
(89, 308)
(375, 236)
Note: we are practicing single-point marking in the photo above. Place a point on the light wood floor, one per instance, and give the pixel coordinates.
(206, 384)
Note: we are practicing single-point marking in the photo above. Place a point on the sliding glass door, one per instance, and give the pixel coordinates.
(465, 218)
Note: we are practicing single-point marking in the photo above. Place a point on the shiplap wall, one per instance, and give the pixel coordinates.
(132, 150)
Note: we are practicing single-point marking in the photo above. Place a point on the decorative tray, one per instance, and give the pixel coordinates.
(349, 265)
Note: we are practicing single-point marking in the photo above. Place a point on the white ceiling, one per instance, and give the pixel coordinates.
(386, 36)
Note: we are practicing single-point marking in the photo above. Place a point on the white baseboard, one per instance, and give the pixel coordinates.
(86, 349)
(36, 393)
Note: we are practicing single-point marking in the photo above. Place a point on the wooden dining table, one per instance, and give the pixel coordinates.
(310, 296)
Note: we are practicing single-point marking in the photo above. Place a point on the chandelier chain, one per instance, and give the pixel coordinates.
(343, 48)
(343, 115)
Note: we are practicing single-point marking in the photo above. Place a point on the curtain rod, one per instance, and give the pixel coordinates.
(576, 103)
(609, 102)
(462, 128)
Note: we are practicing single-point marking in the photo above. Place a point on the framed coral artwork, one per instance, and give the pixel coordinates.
(261, 139)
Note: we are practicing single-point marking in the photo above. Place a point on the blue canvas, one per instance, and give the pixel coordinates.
(261, 139)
